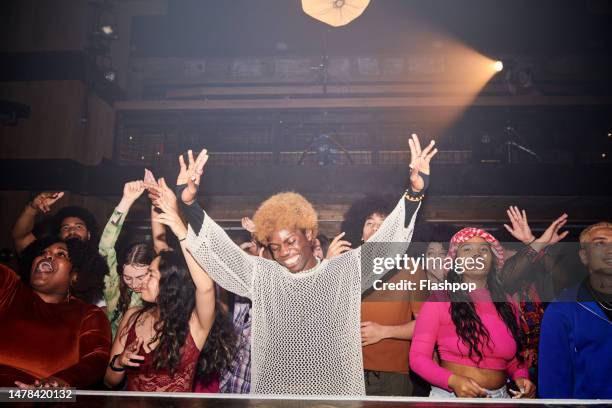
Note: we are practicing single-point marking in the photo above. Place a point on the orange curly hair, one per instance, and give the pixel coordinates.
(284, 210)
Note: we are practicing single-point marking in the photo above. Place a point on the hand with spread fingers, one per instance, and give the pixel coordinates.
(337, 246)
(551, 235)
(419, 162)
(191, 174)
(520, 229)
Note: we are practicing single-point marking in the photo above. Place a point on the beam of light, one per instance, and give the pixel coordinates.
(462, 74)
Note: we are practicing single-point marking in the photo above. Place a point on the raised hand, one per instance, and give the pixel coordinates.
(159, 190)
(190, 174)
(337, 246)
(133, 189)
(551, 235)
(521, 231)
(170, 215)
(43, 201)
(520, 226)
(419, 161)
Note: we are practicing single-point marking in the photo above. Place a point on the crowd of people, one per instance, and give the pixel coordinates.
(283, 309)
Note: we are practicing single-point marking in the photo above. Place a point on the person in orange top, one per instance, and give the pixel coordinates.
(387, 317)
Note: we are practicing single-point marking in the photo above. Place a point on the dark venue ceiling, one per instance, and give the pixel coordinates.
(278, 96)
(279, 27)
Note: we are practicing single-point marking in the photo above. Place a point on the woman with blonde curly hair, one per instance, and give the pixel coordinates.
(306, 312)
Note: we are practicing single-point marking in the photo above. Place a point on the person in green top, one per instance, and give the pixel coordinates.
(123, 284)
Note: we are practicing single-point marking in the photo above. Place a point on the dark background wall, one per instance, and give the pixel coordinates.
(246, 76)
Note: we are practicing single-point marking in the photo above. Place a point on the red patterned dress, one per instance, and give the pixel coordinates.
(147, 378)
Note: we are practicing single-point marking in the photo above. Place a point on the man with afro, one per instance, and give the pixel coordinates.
(306, 312)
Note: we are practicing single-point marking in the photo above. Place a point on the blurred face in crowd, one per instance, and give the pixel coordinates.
(371, 225)
(135, 276)
(74, 227)
(476, 247)
(596, 254)
(293, 249)
(150, 286)
(435, 250)
(317, 249)
(52, 270)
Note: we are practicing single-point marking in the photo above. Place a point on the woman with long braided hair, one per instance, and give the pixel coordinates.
(477, 332)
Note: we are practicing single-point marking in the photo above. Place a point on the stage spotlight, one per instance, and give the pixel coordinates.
(107, 30)
(498, 66)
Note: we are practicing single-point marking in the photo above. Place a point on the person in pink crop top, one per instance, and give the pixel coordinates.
(477, 333)
(158, 346)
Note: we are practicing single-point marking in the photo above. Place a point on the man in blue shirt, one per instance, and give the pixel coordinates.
(576, 337)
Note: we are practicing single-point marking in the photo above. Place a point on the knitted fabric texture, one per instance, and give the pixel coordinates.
(305, 334)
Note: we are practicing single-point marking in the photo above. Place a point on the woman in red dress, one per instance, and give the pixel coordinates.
(160, 345)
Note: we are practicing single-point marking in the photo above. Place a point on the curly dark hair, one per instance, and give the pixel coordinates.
(79, 212)
(88, 264)
(176, 301)
(360, 210)
(469, 326)
(137, 254)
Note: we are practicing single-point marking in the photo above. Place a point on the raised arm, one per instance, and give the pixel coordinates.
(393, 237)
(516, 270)
(106, 247)
(205, 288)
(22, 230)
(223, 260)
(158, 232)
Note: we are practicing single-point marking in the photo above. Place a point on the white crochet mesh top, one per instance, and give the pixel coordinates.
(305, 334)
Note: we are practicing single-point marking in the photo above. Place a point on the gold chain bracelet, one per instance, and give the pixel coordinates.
(408, 197)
